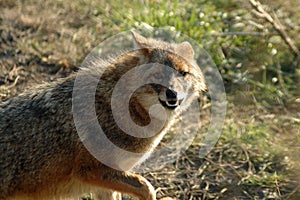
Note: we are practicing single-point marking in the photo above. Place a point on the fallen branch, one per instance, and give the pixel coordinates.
(262, 13)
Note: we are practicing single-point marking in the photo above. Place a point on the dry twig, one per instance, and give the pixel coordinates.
(262, 13)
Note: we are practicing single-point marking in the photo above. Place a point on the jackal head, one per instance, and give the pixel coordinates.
(173, 75)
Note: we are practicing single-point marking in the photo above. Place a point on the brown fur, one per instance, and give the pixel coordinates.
(41, 154)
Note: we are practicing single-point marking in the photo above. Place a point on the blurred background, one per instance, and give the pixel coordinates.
(255, 46)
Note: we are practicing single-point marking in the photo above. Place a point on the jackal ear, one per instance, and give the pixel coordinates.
(185, 50)
(140, 43)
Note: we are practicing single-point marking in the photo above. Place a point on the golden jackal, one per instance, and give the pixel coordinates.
(43, 157)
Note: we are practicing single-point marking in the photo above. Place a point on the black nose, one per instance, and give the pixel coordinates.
(171, 97)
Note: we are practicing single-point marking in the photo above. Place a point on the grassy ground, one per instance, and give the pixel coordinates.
(257, 154)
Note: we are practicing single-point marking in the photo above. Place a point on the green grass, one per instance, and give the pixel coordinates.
(235, 56)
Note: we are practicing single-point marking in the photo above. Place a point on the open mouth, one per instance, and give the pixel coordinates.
(172, 104)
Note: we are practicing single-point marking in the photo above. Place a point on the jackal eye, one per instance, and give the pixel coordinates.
(183, 73)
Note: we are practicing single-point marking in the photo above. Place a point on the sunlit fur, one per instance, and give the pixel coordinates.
(41, 154)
